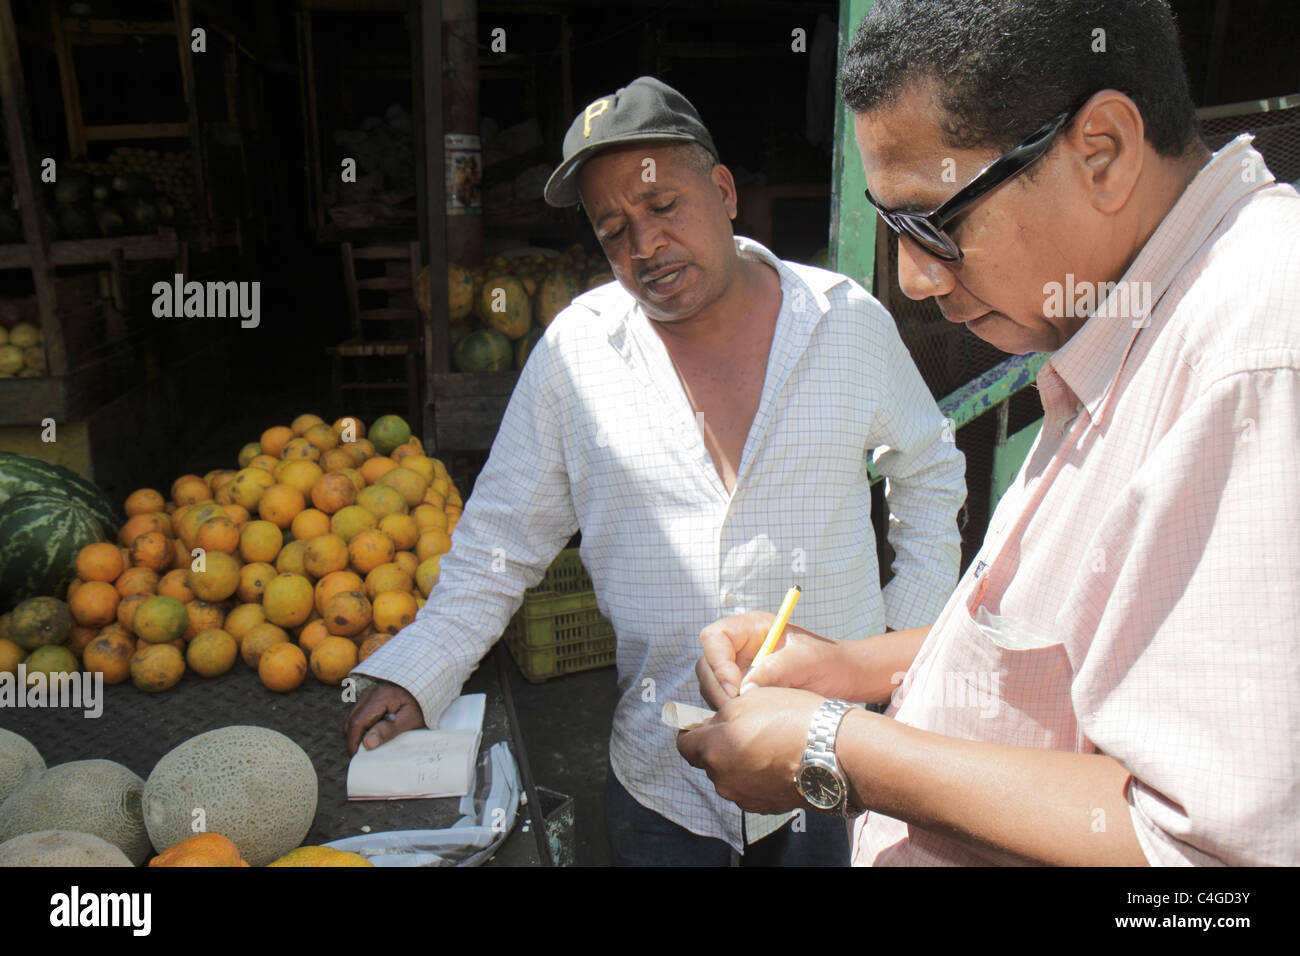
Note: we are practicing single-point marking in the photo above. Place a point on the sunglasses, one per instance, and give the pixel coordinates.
(928, 229)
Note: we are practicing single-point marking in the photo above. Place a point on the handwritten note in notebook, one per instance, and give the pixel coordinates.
(423, 763)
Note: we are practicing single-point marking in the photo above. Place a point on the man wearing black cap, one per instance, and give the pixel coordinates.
(706, 421)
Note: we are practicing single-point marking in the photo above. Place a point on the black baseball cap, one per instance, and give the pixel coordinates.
(645, 109)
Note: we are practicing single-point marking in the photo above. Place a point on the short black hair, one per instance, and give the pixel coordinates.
(1004, 67)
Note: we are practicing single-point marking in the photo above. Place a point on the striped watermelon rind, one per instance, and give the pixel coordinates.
(40, 535)
(23, 473)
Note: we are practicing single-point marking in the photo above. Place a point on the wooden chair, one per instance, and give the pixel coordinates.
(368, 350)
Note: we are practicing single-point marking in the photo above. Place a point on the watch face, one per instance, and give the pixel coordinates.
(820, 787)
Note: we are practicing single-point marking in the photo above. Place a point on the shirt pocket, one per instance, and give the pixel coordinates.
(978, 689)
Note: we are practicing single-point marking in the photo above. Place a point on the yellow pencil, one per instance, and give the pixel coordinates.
(778, 625)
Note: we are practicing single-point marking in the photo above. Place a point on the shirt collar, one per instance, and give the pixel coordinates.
(1091, 361)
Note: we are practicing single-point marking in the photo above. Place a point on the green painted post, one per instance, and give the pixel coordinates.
(853, 222)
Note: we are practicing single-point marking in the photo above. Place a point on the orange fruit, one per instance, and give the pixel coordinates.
(322, 436)
(137, 581)
(187, 528)
(258, 639)
(248, 453)
(212, 652)
(282, 667)
(426, 576)
(354, 476)
(183, 555)
(219, 578)
(143, 501)
(432, 543)
(179, 644)
(369, 549)
(357, 452)
(225, 495)
(375, 468)
(348, 522)
(109, 653)
(290, 559)
(336, 459)
(202, 849)
(332, 584)
(309, 523)
(332, 492)
(260, 541)
(287, 600)
(175, 583)
(218, 478)
(79, 636)
(324, 554)
(274, 439)
(243, 619)
(300, 448)
(305, 421)
(381, 500)
(236, 513)
(218, 534)
(160, 619)
(313, 632)
(332, 659)
(190, 489)
(392, 611)
(349, 428)
(100, 561)
(371, 644)
(127, 607)
(432, 497)
(94, 604)
(153, 550)
(402, 530)
(142, 524)
(312, 618)
(253, 579)
(203, 616)
(422, 465)
(157, 668)
(249, 486)
(347, 613)
(280, 503)
(429, 518)
(299, 473)
(264, 462)
(408, 562)
(11, 655)
(407, 483)
(387, 577)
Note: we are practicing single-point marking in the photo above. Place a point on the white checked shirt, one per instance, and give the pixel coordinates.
(599, 435)
(1151, 542)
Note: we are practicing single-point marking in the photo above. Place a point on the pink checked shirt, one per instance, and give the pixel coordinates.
(1148, 555)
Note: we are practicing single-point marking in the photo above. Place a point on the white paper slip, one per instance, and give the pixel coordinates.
(423, 763)
(684, 716)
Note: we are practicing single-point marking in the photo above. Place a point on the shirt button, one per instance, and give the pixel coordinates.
(728, 599)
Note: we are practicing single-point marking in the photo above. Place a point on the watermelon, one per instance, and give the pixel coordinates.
(40, 535)
(486, 350)
(20, 473)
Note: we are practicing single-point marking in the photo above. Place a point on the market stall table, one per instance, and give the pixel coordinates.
(136, 729)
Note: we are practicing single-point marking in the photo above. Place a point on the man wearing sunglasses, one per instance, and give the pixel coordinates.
(1113, 681)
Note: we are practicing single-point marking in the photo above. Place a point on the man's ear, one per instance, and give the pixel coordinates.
(1108, 137)
(721, 177)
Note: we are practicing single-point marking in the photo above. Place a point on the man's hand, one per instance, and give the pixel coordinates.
(753, 746)
(370, 716)
(802, 659)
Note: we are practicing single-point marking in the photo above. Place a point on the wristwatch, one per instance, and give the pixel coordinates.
(819, 779)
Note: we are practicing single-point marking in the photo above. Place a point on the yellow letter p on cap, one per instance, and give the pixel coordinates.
(588, 116)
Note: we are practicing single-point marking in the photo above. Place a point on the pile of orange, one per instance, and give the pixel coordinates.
(307, 557)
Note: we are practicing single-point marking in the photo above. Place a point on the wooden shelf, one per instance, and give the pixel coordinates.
(163, 244)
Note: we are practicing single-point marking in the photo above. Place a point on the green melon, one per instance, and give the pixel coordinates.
(22, 473)
(503, 304)
(485, 350)
(254, 784)
(387, 432)
(524, 347)
(60, 848)
(40, 535)
(558, 290)
(99, 797)
(20, 763)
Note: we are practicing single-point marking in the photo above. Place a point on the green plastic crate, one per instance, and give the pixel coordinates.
(559, 629)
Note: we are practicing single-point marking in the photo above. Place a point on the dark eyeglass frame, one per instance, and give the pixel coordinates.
(928, 229)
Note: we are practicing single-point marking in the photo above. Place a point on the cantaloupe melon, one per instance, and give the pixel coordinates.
(254, 785)
(20, 763)
(99, 797)
(60, 848)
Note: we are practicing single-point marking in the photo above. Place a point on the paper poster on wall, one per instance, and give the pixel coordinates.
(463, 159)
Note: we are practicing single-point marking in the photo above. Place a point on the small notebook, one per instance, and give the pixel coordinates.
(423, 763)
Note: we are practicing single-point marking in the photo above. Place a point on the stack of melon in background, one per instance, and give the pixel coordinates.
(317, 549)
(499, 310)
(257, 788)
(22, 351)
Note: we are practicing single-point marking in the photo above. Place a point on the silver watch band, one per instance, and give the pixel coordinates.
(824, 727)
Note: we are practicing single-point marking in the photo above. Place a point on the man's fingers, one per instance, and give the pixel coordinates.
(712, 689)
(367, 719)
